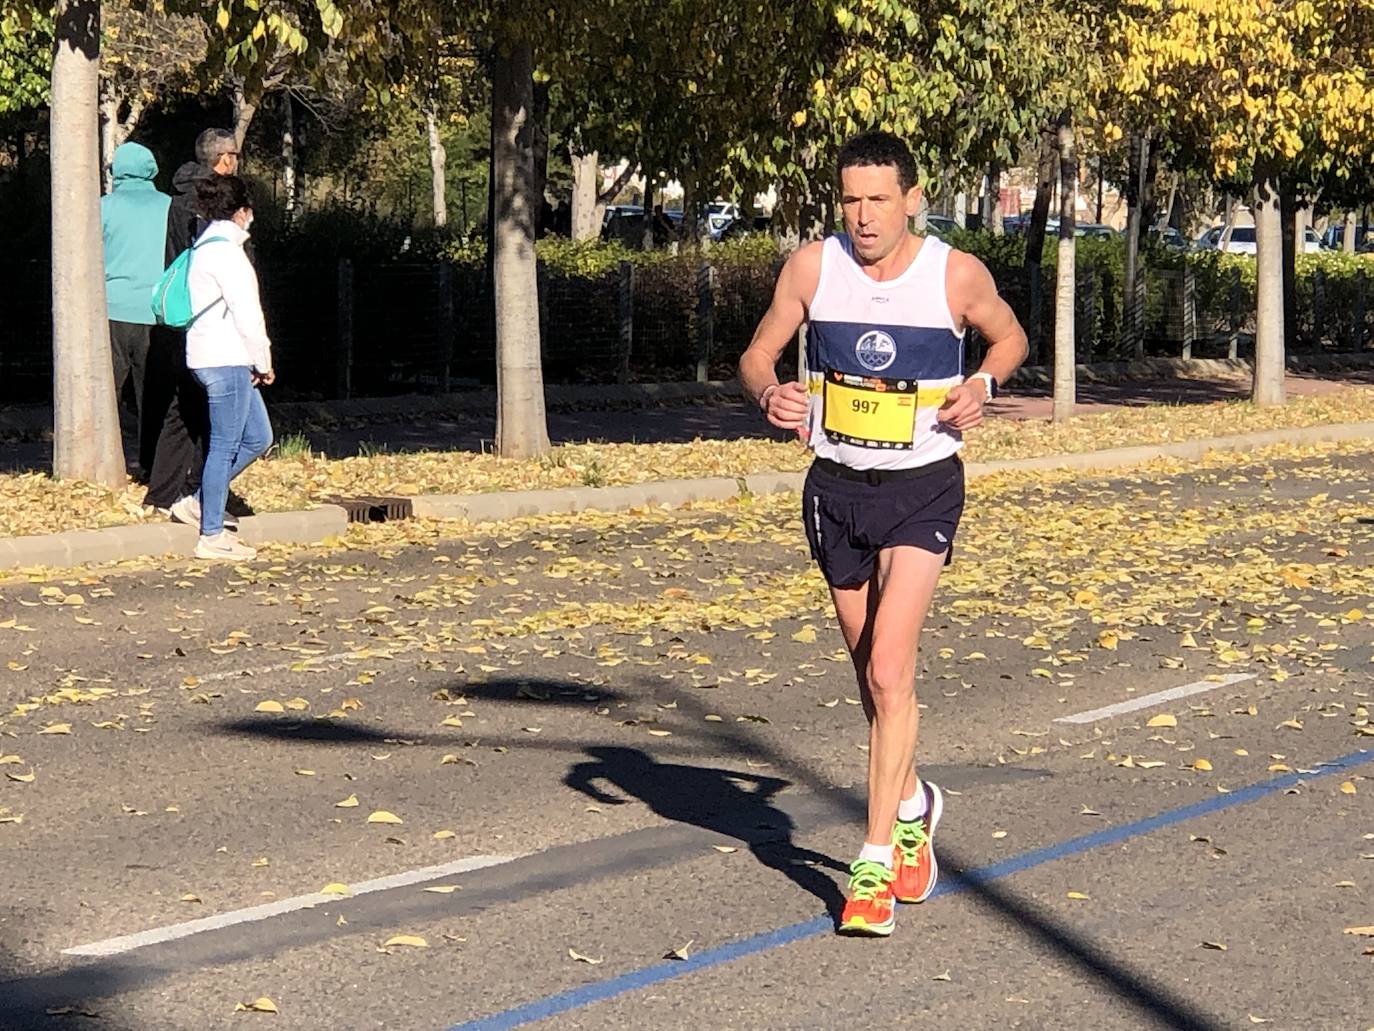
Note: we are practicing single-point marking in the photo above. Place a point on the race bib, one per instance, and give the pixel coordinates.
(868, 411)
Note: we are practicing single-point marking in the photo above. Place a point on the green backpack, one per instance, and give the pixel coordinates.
(172, 295)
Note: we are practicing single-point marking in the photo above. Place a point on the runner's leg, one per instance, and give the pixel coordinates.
(881, 622)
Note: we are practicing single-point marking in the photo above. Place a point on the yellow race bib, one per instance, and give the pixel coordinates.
(867, 411)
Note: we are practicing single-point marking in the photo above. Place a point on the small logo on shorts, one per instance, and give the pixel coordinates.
(941, 537)
(875, 350)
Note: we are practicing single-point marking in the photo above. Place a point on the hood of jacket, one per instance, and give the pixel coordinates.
(184, 181)
(133, 162)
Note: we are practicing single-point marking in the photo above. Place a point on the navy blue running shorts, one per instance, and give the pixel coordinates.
(850, 515)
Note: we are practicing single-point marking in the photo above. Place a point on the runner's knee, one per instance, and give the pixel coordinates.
(890, 680)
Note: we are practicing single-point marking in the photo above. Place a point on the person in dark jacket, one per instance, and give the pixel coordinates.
(133, 222)
(180, 452)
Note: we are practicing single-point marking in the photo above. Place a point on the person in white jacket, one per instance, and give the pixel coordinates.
(230, 355)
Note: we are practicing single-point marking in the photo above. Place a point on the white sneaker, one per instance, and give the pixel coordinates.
(224, 546)
(187, 510)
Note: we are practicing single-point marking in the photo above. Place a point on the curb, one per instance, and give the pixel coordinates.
(1188, 450)
(79, 547)
(119, 543)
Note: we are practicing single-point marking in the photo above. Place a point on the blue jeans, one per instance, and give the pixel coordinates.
(239, 432)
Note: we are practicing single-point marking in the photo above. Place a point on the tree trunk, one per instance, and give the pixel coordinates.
(1046, 172)
(244, 110)
(539, 113)
(992, 201)
(1132, 308)
(288, 156)
(109, 118)
(587, 209)
(1228, 224)
(1032, 264)
(1267, 388)
(688, 230)
(921, 220)
(114, 130)
(1348, 233)
(1288, 211)
(521, 424)
(1101, 184)
(86, 440)
(438, 164)
(1065, 358)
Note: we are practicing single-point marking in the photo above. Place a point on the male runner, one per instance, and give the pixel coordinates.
(883, 409)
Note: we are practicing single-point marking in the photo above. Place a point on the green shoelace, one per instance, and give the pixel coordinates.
(911, 838)
(867, 879)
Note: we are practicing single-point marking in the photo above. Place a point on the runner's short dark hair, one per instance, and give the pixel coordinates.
(221, 196)
(877, 149)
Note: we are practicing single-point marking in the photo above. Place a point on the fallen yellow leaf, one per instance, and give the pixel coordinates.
(259, 1005)
(411, 941)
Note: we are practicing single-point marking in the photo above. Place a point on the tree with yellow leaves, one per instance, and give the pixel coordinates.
(1261, 91)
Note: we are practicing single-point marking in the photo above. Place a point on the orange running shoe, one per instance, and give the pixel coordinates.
(871, 910)
(914, 868)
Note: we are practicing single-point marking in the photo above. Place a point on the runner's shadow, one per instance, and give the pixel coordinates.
(726, 802)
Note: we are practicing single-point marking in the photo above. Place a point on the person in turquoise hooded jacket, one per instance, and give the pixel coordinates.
(133, 222)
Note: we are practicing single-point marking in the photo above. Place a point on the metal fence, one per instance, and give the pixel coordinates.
(350, 329)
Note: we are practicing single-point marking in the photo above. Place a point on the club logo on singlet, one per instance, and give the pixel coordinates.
(875, 350)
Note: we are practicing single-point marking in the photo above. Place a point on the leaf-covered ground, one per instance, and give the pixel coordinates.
(182, 739)
(32, 503)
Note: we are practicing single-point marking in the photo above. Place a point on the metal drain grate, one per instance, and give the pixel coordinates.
(368, 509)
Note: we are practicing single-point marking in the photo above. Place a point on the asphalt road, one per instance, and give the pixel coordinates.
(618, 738)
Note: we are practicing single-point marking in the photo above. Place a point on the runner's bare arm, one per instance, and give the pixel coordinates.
(974, 301)
(784, 404)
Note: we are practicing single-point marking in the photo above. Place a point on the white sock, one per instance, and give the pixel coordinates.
(909, 810)
(876, 854)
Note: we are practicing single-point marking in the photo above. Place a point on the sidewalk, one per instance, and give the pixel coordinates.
(682, 412)
(323, 522)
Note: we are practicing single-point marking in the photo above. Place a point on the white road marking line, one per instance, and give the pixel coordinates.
(1147, 700)
(129, 942)
(306, 661)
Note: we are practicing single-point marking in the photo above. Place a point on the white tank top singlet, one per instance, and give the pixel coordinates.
(881, 356)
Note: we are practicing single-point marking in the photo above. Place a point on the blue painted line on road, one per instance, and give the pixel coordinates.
(577, 998)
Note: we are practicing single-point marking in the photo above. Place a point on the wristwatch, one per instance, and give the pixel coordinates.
(989, 381)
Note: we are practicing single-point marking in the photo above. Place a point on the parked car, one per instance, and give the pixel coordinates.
(939, 225)
(719, 214)
(1243, 240)
(1093, 230)
(1088, 230)
(1170, 237)
(1334, 238)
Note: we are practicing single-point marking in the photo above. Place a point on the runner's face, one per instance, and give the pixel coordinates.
(875, 209)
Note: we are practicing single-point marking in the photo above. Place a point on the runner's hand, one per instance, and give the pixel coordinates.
(265, 379)
(786, 408)
(963, 407)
